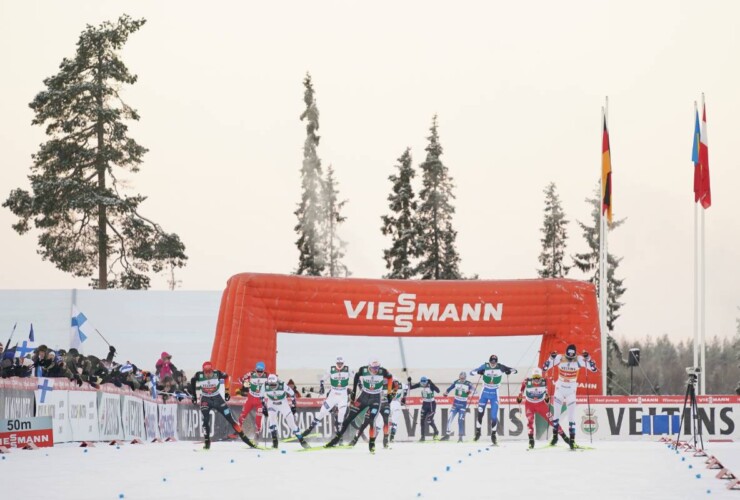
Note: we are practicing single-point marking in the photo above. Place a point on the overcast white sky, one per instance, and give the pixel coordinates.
(518, 87)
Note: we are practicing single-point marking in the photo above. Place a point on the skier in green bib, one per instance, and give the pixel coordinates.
(371, 379)
(339, 376)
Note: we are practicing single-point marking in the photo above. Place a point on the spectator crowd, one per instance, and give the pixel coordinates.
(166, 380)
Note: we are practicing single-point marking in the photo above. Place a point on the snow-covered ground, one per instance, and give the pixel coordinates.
(618, 470)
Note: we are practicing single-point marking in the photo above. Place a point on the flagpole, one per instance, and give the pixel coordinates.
(696, 267)
(703, 377)
(602, 269)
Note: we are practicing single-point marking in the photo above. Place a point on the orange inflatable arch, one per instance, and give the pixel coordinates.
(255, 307)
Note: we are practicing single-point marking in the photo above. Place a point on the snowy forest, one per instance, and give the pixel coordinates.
(89, 229)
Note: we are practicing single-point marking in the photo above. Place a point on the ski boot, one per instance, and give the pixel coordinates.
(565, 439)
(274, 439)
(354, 440)
(393, 435)
(493, 438)
(434, 436)
(572, 441)
(385, 440)
(476, 437)
(207, 443)
(460, 439)
(246, 440)
(531, 441)
(371, 445)
(333, 442)
(446, 437)
(301, 440)
(554, 440)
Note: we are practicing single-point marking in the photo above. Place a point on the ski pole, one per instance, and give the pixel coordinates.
(7, 344)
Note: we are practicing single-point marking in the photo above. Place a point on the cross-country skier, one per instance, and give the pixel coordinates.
(371, 379)
(254, 382)
(339, 376)
(534, 392)
(398, 399)
(428, 405)
(462, 388)
(492, 373)
(207, 383)
(277, 393)
(565, 387)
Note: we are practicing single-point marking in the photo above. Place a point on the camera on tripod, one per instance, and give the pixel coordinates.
(693, 373)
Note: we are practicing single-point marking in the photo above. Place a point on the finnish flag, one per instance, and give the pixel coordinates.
(81, 329)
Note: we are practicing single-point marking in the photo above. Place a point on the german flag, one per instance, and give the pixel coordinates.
(606, 176)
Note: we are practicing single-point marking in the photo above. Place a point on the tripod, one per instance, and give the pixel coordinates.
(690, 401)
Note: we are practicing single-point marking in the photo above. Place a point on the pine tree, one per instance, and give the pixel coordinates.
(86, 223)
(555, 236)
(310, 213)
(334, 245)
(439, 259)
(588, 262)
(401, 225)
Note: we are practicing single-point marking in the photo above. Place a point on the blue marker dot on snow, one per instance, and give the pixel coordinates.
(282, 451)
(709, 491)
(691, 466)
(120, 495)
(478, 450)
(164, 479)
(434, 478)
(201, 467)
(470, 454)
(698, 476)
(258, 455)
(459, 461)
(232, 460)
(85, 451)
(447, 468)
(418, 494)
(683, 459)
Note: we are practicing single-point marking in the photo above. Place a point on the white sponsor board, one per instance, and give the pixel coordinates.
(55, 405)
(151, 420)
(109, 416)
(132, 417)
(83, 415)
(167, 420)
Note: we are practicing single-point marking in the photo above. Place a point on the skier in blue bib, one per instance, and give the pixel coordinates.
(492, 373)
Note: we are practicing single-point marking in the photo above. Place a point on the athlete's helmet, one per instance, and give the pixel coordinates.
(493, 359)
(374, 366)
(423, 381)
(462, 376)
(260, 366)
(272, 380)
(570, 351)
(207, 367)
(340, 360)
(536, 373)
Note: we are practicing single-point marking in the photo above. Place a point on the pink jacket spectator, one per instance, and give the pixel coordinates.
(164, 366)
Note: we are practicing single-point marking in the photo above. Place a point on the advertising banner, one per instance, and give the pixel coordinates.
(167, 420)
(189, 422)
(17, 432)
(83, 415)
(53, 403)
(132, 417)
(109, 416)
(151, 423)
(16, 403)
